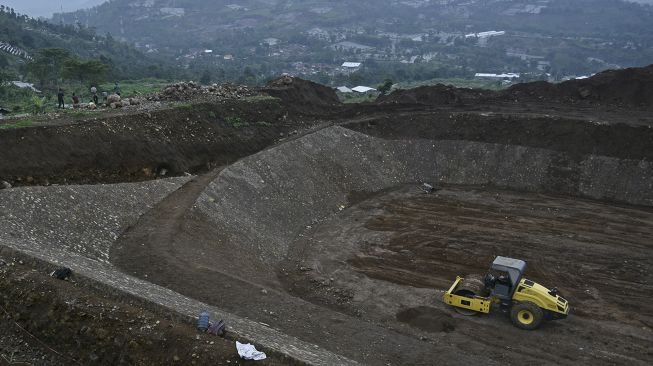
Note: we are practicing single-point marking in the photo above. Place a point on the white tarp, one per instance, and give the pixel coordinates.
(351, 64)
(362, 89)
(248, 352)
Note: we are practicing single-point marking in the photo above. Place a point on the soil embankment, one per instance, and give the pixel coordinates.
(142, 146)
(627, 88)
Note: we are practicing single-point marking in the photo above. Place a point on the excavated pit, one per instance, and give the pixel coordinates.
(324, 247)
(330, 239)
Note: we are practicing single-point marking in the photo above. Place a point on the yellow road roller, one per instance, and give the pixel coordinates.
(528, 303)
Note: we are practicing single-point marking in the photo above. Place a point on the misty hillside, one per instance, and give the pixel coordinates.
(22, 38)
(45, 8)
(448, 38)
(205, 20)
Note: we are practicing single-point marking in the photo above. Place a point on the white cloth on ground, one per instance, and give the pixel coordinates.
(249, 352)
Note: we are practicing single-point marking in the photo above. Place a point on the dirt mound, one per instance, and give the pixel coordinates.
(632, 87)
(143, 146)
(191, 90)
(433, 95)
(629, 87)
(301, 93)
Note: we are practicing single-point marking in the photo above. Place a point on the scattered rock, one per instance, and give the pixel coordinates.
(62, 273)
(190, 90)
(113, 98)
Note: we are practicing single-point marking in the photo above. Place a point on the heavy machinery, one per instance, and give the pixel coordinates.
(529, 303)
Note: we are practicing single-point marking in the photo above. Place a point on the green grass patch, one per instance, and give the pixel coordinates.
(351, 98)
(458, 83)
(132, 88)
(18, 124)
(184, 107)
(260, 98)
(236, 122)
(79, 113)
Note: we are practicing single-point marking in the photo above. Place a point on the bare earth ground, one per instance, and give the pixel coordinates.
(364, 282)
(383, 263)
(44, 321)
(596, 254)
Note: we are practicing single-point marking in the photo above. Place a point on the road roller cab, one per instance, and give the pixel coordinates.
(504, 286)
(504, 276)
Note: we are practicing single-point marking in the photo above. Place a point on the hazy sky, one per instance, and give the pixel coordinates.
(37, 8)
(45, 8)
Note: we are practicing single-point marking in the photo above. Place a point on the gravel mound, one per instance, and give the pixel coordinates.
(85, 220)
(192, 90)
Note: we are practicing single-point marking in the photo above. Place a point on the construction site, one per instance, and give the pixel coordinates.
(327, 233)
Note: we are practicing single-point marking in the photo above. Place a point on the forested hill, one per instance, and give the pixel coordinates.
(191, 22)
(23, 39)
(45, 8)
(399, 39)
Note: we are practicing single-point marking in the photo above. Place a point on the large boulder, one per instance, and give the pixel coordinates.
(113, 98)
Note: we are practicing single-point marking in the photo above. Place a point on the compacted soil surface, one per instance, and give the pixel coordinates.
(366, 282)
(46, 321)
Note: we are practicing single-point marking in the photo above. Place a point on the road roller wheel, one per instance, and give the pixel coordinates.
(526, 315)
(471, 286)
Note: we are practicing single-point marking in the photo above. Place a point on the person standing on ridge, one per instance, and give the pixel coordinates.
(116, 89)
(94, 94)
(75, 101)
(60, 100)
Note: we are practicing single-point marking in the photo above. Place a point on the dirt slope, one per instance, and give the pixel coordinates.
(49, 322)
(632, 87)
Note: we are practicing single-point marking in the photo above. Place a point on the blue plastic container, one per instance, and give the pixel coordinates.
(203, 321)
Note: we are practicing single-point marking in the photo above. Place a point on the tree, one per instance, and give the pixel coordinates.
(71, 69)
(56, 56)
(39, 70)
(37, 105)
(95, 71)
(92, 71)
(248, 76)
(5, 77)
(48, 65)
(386, 86)
(206, 77)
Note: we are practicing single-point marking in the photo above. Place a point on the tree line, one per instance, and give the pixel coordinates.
(52, 66)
